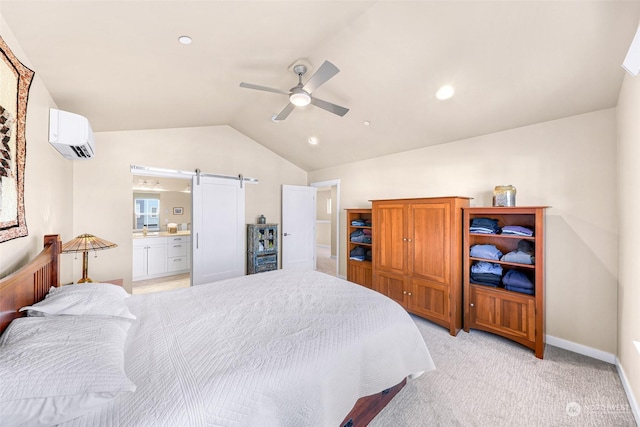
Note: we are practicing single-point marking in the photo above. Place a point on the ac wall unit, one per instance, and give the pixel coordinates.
(71, 135)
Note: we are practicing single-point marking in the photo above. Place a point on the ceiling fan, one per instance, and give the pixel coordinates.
(300, 95)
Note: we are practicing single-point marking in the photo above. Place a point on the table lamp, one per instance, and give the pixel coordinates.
(85, 243)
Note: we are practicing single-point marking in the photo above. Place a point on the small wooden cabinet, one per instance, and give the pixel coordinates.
(417, 256)
(359, 247)
(262, 248)
(514, 315)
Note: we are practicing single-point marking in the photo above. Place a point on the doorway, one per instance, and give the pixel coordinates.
(161, 203)
(328, 226)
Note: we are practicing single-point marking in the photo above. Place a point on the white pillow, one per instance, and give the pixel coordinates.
(54, 369)
(94, 299)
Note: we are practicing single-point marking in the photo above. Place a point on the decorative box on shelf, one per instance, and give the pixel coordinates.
(262, 248)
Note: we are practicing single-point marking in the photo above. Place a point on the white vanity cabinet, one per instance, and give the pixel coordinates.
(177, 253)
(160, 256)
(149, 257)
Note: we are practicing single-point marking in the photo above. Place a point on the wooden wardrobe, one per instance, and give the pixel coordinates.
(417, 256)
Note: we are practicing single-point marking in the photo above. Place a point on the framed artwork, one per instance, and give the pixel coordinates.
(15, 81)
(177, 211)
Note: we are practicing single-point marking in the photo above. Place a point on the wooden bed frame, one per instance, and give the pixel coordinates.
(31, 283)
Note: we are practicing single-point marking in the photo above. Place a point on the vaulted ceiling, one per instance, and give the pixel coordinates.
(512, 63)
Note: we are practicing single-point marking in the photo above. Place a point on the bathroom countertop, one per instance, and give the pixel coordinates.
(139, 235)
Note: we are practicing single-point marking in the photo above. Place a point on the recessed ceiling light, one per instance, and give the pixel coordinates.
(445, 92)
(184, 39)
(366, 123)
(313, 140)
(274, 120)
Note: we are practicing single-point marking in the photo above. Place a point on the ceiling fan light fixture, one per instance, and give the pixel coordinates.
(300, 99)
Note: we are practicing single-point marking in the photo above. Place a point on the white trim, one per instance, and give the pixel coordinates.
(635, 409)
(174, 173)
(581, 349)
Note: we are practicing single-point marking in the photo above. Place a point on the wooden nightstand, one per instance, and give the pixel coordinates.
(114, 282)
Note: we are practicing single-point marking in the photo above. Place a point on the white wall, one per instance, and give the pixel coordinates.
(629, 205)
(102, 191)
(48, 179)
(567, 164)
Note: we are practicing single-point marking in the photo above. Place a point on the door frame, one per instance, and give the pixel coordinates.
(336, 183)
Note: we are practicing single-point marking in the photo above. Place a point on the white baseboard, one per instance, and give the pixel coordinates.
(605, 357)
(635, 409)
(581, 349)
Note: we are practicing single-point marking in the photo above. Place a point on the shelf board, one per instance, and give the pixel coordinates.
(495, 261)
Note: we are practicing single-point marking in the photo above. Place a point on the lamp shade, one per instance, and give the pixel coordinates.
(85, 243)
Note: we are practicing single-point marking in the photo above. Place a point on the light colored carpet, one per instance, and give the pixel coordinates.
(485, 380)
(324, 262)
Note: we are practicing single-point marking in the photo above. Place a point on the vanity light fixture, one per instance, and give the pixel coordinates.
(184, 39)
(445, 92)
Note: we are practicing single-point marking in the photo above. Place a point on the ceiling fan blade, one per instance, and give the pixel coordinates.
(324, 73)
(333, 108)
(264, 88)
(285, 112)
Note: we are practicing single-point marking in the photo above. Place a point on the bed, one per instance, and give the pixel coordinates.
(286, 347)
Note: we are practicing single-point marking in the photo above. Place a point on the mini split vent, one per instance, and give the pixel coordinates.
(71, 135)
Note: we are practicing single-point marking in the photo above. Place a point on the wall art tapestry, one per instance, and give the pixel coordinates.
(15, 81)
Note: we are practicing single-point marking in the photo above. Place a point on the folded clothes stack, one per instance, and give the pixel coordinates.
(485, 251)
(358, 253)
(517, 230)
(517, 281)
(484, 226)
(486, 273)
(359, 222)
(518, 257)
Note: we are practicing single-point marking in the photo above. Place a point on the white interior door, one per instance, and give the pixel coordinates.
(298, 227)
(218, 229)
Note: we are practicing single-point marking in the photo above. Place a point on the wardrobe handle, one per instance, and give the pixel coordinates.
(404, 292)
(409, 294)
(472, 305)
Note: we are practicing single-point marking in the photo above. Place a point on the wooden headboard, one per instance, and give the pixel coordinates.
(31, 283)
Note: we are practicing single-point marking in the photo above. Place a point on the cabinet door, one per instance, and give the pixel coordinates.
(389, 239)
(139, 262)
(392, 286)
(360, 273)
(503, 312)
(157, 259)
(430, 300)
(430, 245)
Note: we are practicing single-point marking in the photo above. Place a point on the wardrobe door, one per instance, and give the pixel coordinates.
(430, 242)
(389, 237)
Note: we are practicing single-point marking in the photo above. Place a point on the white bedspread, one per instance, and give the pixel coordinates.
(282, 348)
